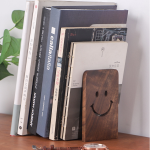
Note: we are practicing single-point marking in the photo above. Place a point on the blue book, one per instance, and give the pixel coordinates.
(61, 17)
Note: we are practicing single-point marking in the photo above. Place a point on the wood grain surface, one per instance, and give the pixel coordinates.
(7, 142)
(100, 96)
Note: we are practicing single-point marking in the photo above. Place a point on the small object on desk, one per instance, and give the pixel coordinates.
(34, 147)
(90, 146)
(100, 105)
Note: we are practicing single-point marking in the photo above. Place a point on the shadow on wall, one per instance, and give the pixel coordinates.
(131, 79)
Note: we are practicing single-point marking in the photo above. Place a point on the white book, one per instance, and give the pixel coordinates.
(28, 78)
(109, 25)
(88, 56)
(32, 51)
(22, 65)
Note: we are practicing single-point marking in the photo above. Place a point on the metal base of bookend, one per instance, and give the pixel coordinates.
(100, 105)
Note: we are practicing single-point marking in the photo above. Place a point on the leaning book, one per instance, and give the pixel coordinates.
(22, 65)
(88, 56)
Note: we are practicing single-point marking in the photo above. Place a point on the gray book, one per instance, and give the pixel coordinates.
(87, 56)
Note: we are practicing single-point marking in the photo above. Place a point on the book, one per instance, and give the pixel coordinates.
(88, 56)
(69, 18)
(38, 75)
(72, 34)
(49, 67)
(31, 56)
(28, 78)
(21, 66)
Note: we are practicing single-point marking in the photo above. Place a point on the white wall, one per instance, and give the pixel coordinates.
(134, 104)
(7, 85)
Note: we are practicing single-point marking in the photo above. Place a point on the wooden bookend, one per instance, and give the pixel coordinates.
(100, 105)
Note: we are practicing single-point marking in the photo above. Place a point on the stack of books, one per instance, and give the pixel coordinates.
(60, 41)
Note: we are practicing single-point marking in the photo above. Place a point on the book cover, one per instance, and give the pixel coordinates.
(49, 67)
(88, 56)
(21, 66)
(79, 18)
(38, 75)
(69, 35)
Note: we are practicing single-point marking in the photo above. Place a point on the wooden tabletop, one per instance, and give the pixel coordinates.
(7, 142)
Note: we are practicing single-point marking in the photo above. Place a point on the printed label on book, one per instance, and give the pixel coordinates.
(53, 30)
(50, 53)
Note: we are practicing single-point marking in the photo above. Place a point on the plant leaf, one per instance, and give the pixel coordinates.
(18, 18)
(19, 40)
(15, 61)
(0, 48)
(6, 44)
(6, 63)
(19, 44)
(4, 72)
(11, 46)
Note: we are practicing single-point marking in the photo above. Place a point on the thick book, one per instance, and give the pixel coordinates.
(21, 67)
(72, 34)
(38, 75)
(49, 67)
(80, 18)
(88, 56)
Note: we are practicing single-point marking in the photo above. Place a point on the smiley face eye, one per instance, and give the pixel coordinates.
(96, 94)
(105, 93)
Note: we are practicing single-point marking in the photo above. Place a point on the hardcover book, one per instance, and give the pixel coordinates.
(88, 56)
(21, 67)
(77, 18)
(69, 35)
(56, 22)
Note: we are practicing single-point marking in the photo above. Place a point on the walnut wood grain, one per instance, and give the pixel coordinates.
(100, 96)
(7, 142)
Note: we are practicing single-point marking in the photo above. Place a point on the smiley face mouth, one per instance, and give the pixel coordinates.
(100, 115)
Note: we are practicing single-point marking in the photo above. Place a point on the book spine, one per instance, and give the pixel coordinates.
(36, 91)
(44, 116)
(57, 84)
(27, 86)
(21, 67)
(67, 93)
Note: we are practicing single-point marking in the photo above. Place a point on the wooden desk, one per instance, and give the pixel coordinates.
(7, 142)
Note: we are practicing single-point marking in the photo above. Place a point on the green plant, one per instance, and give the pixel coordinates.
(10, 49)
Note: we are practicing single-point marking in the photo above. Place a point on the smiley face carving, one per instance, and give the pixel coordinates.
(92, 106)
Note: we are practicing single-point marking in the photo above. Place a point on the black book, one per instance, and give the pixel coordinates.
(38, 77)
(76, 18)
(72, 115)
